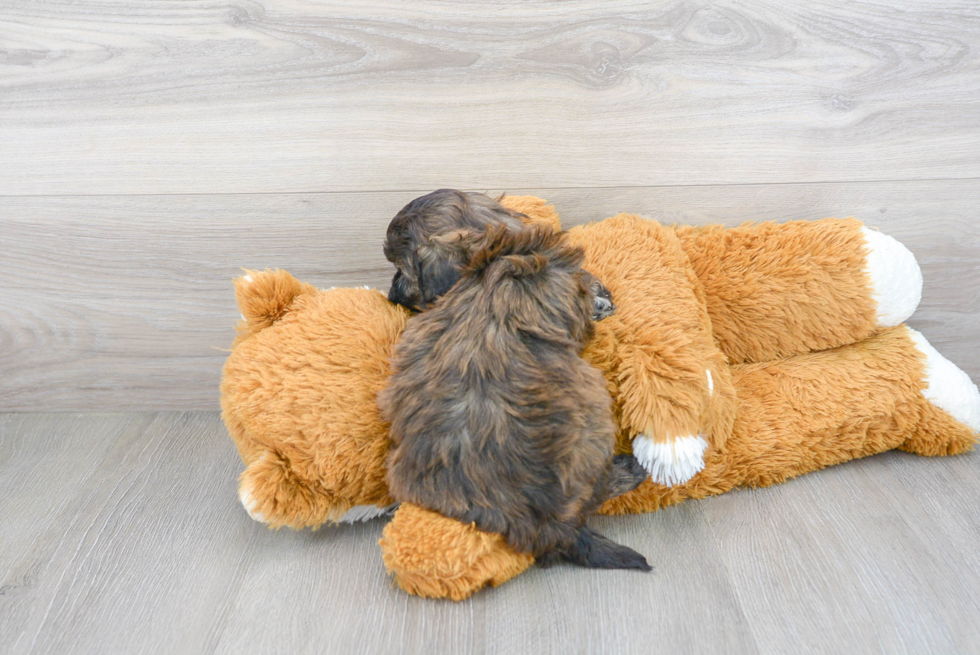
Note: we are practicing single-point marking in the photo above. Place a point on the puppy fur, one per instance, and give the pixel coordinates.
(495, 418)
(427, 266)
(422, 242)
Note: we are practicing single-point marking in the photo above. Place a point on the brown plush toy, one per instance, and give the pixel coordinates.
(737, 357)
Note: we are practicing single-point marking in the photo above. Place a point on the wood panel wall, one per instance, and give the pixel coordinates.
(149, 150)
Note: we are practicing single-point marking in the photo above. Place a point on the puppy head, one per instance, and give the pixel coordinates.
(537, 280)
(431, 239)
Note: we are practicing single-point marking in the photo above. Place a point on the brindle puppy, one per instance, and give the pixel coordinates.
(429, 265)
(495, 417)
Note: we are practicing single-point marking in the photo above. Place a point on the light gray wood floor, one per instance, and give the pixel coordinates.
(122, 534)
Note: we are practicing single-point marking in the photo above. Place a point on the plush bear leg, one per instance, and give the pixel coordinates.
(819, 409)
(432, 556)
(775, 290)
(272, 493)
(950, 420)
(670, 382)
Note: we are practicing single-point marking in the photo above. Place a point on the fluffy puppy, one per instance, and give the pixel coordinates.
(495, 417)
(427, 260)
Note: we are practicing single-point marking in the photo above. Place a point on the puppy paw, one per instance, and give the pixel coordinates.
(673, 462)
(896, 279)
(602, 308)
(948, 387)
(626, 475)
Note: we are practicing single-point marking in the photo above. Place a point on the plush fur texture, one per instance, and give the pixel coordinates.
(657, 349)
(299, 387)
(495, 418)
(766, 301)
(832, 406)
(298, 396)
(443, 558)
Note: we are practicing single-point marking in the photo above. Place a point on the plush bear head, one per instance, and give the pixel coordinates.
(298, 397)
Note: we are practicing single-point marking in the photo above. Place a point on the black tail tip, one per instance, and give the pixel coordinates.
(623, 558)
(637, 562)
(594, 551)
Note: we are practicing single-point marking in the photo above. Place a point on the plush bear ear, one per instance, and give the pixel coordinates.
(537, 210)
(265, 296)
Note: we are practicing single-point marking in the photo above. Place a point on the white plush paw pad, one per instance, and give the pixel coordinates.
(896, 280)
(364, 513)
(250, 504)
(673, 462)
(948, 386)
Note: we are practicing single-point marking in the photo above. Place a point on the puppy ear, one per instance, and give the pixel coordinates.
(420, 280)
(436, 278)
(439, 263)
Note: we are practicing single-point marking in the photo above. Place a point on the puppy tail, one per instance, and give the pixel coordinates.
(594, 551)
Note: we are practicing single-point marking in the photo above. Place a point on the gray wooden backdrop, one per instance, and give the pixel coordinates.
(149, 150)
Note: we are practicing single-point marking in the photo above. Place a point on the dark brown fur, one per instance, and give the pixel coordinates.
(428, 267)
(495, 417)
(422, 243)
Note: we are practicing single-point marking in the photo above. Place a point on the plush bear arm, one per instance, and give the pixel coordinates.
(656, 350)
(777, 290)
(819, 409)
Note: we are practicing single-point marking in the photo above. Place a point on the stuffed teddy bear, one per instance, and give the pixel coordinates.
(737, 357)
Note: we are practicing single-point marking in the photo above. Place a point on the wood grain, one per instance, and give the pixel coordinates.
(686, 605)
(44, 462)
(154, 554)
(857, 555)
(683, 607)
(246, 96)
(146, 556)
(122, 533)
(124, 303)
